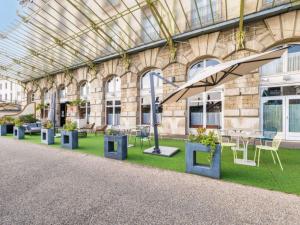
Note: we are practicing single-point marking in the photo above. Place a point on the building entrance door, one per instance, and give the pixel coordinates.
(63, 113)
(292, 117)
(282, 114)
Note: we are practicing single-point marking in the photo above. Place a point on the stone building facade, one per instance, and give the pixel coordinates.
(115, 94)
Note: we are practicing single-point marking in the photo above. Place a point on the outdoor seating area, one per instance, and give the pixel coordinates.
(266, 174)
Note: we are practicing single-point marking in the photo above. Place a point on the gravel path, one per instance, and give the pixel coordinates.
(42, 185)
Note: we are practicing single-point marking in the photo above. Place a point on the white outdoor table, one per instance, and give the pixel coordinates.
(245, 139)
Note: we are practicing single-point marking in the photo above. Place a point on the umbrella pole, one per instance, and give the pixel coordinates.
(154, 121)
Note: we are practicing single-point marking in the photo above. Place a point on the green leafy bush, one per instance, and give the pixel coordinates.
(9, 119)
(77, 102)
(2, 121)
(30, 118)
(70, 126)
(18, 122)
(209, 140)
(40, 106)
(111, 132)
(48, 124)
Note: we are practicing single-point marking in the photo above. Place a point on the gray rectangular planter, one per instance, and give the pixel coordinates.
(115, 152)
(47, 136)
(69, 139)
(214, 170)
(3, 130)
(19, 133)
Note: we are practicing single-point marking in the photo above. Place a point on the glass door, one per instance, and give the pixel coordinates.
(272, 115)
(293, 117)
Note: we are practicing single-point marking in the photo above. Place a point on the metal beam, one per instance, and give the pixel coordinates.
(164, 28)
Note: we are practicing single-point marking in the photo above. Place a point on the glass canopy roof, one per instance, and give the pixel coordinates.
(52, 36)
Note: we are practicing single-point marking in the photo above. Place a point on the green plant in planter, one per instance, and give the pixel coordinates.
(40, 106)
(70, 126)
(111, 132)
(2, 121)
(48, 125)
(77, 102)
(8, 119)
(30, 118)
(209, 140)
(18, 122)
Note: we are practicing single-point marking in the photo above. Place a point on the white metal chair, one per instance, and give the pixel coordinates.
(224, 143)
(273, 148)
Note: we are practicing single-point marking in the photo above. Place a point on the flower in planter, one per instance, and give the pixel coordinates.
(209, 140)
(70, 126)
(48, 124)
(18, 122)
(8, 120)
(111, 132)
(2, 121)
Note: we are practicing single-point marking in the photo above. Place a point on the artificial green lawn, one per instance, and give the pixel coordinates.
(268, 175)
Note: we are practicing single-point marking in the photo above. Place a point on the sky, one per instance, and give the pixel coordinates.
(8, 10)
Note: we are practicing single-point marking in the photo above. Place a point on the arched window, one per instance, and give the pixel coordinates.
(45, 102)
(205, 109)
(113, 101)
(85, 108)
(30, 97)
(146, 97)
(288, 63)
(145, 81)
(46, 97)
(62, 93)
(84, 90)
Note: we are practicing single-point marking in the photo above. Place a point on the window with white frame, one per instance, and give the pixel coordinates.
(145, 92)
(84, 91)
(84, 109)
(288, 63)
(113, 101)
(62, 93)
(205, 109)
(45, 101)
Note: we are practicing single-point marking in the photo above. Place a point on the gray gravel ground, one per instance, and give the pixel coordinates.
(42, 185)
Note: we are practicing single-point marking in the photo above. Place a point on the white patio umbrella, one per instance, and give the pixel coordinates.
(219, 74)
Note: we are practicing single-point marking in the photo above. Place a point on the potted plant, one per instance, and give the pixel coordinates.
(9, 122)
(47, 133)
(19, 130)
(69, 135)
(203, 142)
(115, 145)
(3, 129)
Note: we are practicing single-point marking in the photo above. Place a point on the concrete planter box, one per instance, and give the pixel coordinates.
(214, 170)
(69, 139)
(19, 133)
(47, 136)
(3, 130)
(115, 146)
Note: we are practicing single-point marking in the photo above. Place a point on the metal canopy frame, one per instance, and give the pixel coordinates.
(52, 36)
